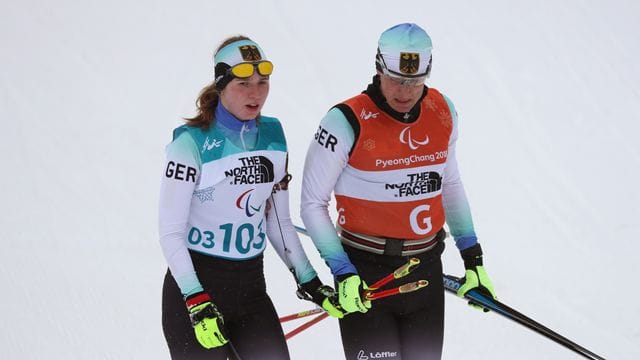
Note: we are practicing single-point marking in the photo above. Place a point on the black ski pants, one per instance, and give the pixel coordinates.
(238, 289)
(407, 326)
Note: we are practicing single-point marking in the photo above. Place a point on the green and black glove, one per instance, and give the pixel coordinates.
(350, 290)
(475, 276)
(206, 320)
(323, 295)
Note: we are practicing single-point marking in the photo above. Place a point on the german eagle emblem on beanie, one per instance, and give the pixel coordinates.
(409, 63)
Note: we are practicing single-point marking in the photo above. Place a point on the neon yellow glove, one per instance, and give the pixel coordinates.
(475, 276)
(206, 320)
(323, 295)
(350, 289)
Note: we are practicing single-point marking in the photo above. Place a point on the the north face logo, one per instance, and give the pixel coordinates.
(252, 170)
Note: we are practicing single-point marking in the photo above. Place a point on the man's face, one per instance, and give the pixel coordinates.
(401, 97)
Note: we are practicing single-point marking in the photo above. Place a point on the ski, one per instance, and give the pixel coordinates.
(452, 284)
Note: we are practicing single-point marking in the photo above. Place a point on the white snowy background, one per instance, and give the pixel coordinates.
(547, 93)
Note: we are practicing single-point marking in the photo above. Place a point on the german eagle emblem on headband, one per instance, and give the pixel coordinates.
(250, 53)
(409, 63)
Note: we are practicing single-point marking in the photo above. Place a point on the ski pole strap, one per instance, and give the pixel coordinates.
(209, 311)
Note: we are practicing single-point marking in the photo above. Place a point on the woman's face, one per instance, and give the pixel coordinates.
(400, 97)
(244, 98)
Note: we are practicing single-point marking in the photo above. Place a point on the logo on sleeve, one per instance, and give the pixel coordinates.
(252, 170)
(205, 194)
(326, 139)
(180, 172)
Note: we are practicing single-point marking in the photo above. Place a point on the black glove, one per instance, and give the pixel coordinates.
(323, 295)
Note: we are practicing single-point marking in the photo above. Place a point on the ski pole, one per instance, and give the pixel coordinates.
(402, 289)
(234, 350)
(301, 230)
(369, 294)
(403, 270)
(301, 314)
(305, 326)
(452, 284)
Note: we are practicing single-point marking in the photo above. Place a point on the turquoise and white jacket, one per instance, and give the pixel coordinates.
(216, 197)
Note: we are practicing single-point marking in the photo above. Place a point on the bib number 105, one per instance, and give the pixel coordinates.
(243, 237)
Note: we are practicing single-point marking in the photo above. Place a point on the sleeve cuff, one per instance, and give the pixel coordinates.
(465, 242)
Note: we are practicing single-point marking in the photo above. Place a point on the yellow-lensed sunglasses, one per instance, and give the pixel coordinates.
(247, 69)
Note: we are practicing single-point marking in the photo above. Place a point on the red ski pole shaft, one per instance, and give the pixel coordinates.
(402, 289)
(402, 271)
(301, 314)
(305, 326)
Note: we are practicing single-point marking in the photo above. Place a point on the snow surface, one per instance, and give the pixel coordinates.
(547, 93)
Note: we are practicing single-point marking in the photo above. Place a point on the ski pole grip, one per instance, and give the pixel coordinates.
(402, 271)
(405, 269)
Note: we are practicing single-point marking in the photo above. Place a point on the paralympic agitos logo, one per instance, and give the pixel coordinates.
(244, 203)
(252, 170)
(405, 138)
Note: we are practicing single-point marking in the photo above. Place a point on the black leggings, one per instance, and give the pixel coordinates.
(407, 326)
(238, 290)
